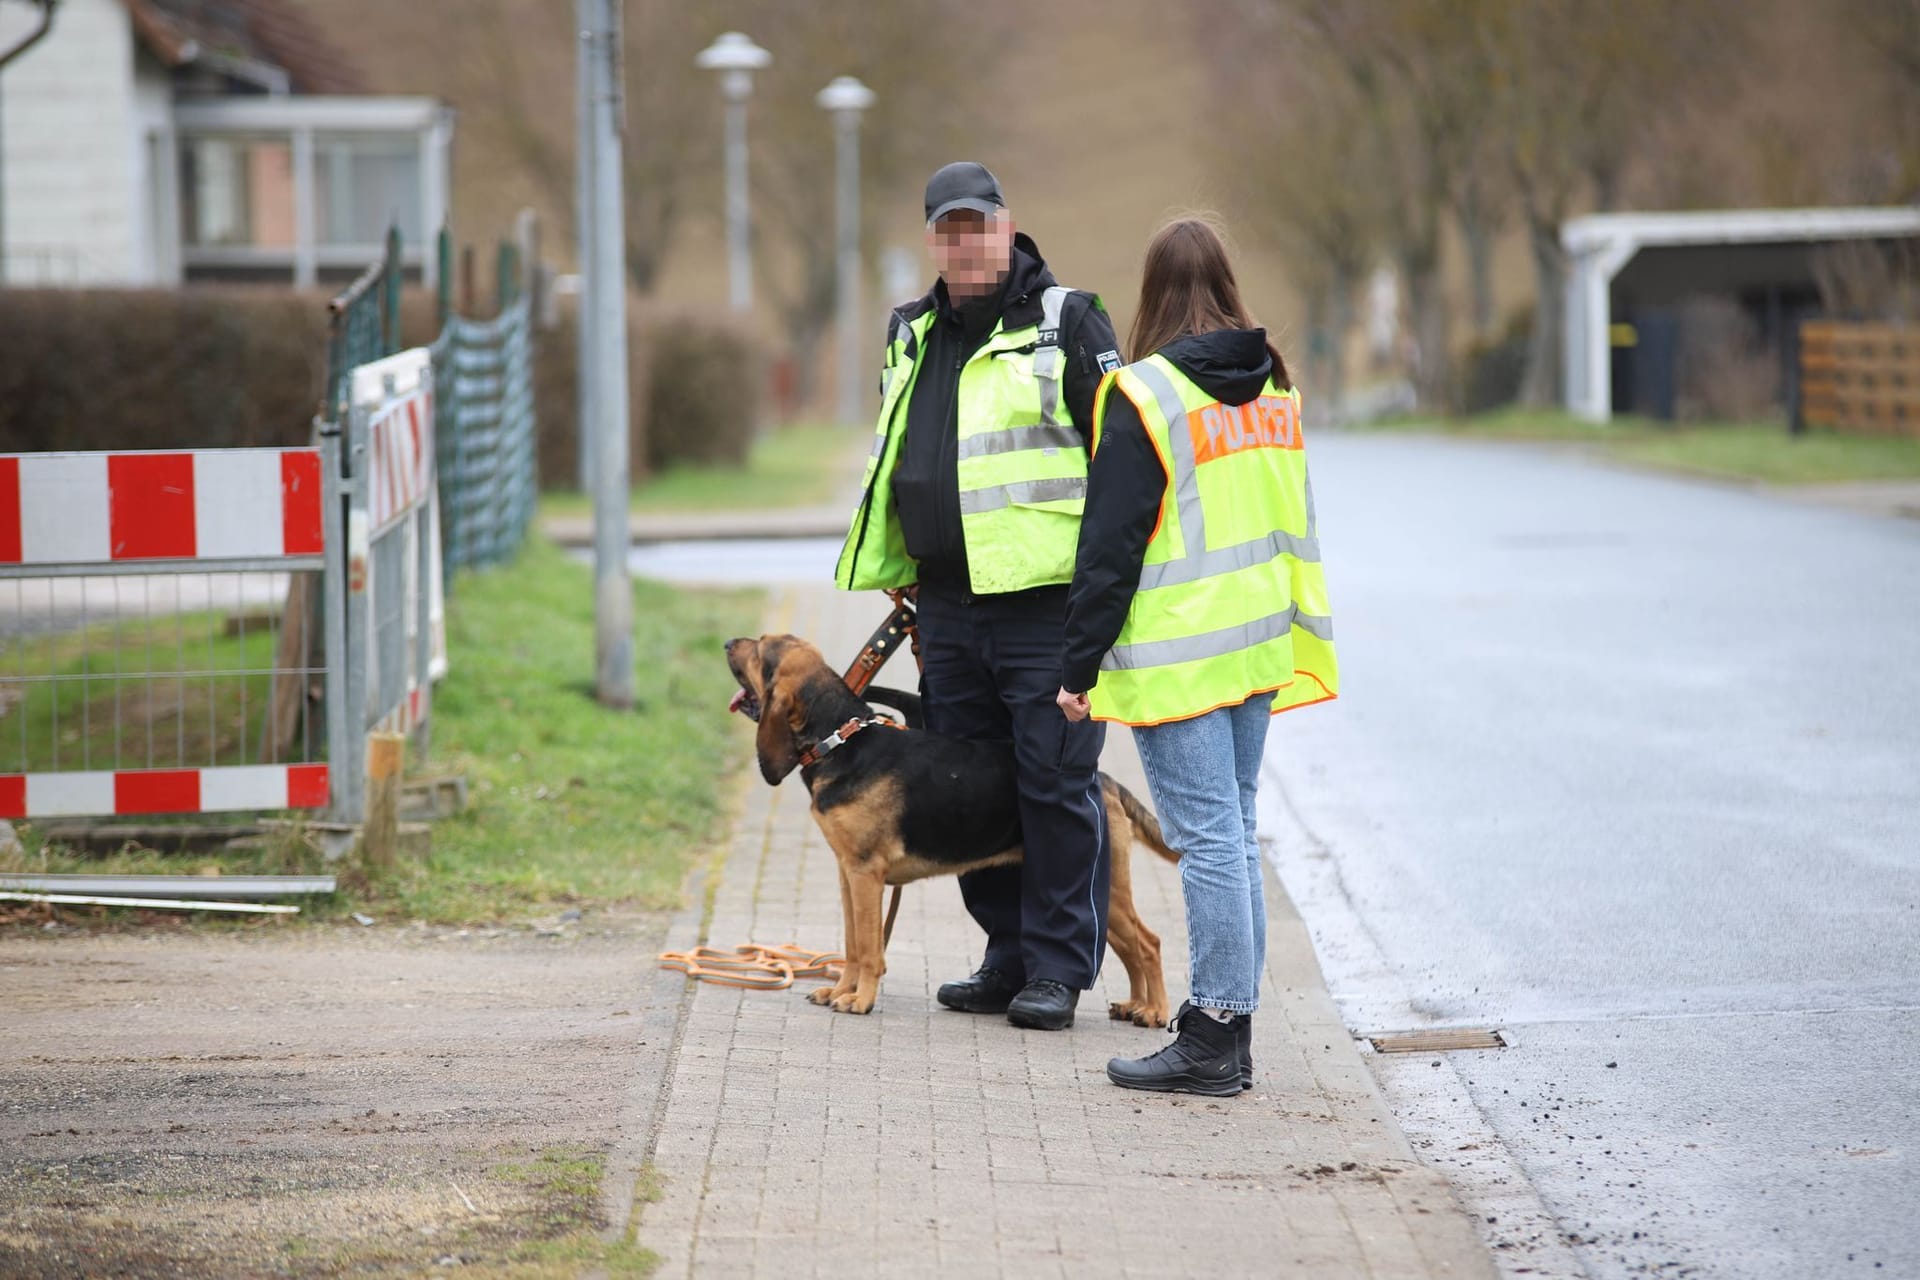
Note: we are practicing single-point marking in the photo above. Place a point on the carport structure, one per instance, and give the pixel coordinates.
(1762, 258)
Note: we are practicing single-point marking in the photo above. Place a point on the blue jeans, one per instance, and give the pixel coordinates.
(1203, 773)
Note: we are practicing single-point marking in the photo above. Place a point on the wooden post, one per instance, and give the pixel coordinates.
(380, 836)
(468, 288)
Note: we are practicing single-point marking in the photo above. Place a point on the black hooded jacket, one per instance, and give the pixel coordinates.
(1125, 486)
(926, 477)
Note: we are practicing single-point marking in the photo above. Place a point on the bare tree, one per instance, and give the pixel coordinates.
(1302, 168)
(919, 57)
(1577, 86)
(1410, 70)
(1890, 30)
(527, 64)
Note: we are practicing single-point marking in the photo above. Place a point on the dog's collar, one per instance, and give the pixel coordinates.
(837, 739)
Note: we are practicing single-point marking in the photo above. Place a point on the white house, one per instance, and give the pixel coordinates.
(151, 142)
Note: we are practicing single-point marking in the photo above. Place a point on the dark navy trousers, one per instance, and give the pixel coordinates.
(991, 670)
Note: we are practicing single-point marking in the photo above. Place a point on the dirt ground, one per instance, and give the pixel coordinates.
(300, 1100)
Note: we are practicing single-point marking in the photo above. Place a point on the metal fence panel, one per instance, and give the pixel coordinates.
(390, 602)
(158, 641)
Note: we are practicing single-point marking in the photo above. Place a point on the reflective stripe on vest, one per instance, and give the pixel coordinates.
(975, 501)
(1186, 473)
(1214, 644)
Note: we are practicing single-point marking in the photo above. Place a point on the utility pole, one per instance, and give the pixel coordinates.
(583, 237)
(605, 308)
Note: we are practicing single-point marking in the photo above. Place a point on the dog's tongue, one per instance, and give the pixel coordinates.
(738, 698)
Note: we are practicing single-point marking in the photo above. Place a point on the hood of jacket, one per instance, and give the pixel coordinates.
(1231, 365)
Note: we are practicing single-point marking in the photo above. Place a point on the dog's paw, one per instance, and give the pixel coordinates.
(1122, 1010)
(1148, 1016)
(822, 995)
(853, 1002)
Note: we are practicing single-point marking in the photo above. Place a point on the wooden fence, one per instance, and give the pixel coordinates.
(1860, 378)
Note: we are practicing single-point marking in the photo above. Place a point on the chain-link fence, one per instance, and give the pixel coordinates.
(483, 389)
(483, 382)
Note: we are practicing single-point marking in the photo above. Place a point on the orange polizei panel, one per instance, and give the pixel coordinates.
(1270, 422)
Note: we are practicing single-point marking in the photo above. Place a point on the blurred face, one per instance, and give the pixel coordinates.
(972, 251)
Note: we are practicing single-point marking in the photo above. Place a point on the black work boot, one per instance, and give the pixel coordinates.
(1043, 1005)
(1242, 1025)
(1204, 1060)
(987, 991)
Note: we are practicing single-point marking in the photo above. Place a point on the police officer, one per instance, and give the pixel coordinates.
(1198, 610)
(974, 492)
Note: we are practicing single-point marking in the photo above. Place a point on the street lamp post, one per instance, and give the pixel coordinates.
(846, 98)
(736, 58)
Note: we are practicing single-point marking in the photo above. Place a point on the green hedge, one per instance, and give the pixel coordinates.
(218, 367)
(159, 369)
(696, 382)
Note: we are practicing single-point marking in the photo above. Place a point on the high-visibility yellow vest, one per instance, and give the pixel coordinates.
(1231, 601)
(1022, 462)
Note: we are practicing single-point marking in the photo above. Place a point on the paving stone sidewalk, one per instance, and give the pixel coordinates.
(789, 1140)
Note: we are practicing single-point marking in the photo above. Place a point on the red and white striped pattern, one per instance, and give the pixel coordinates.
(399, 457)
(396, 392)
(124, 791)
(207, 504)
(410, 711)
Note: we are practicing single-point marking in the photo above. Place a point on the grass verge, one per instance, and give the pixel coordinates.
(571, 803)
(795, 466)
(1750, 451)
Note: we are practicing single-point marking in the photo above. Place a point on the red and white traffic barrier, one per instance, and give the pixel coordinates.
(128, 791)
(207, 504)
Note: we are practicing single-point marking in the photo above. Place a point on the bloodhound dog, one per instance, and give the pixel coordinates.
(900, 804)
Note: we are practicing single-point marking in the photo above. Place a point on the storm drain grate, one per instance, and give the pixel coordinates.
(1439, 1040)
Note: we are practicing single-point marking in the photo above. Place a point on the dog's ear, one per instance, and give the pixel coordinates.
(781, 719)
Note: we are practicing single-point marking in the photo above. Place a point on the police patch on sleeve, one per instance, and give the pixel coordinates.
(1109, 361)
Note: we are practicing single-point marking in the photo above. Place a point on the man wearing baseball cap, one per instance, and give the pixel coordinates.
(974, 493)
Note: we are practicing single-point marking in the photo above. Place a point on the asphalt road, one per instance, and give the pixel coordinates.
(1628, 767)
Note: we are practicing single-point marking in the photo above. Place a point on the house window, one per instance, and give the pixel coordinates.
(364, 183)
(305, 188)
(237, 192)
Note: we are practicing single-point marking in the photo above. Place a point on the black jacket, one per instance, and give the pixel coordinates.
(926, 477)
(1125, 486)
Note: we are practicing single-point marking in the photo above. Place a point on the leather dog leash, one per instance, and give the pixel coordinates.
(904, 621)
(755, 967)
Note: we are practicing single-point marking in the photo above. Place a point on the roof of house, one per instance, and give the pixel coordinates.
(269, 34)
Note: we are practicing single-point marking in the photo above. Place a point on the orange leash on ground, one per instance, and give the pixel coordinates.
(755, 967)
(761, 968)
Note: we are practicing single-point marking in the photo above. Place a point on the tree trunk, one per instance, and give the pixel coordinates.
(1540, 383)
(1478, 235)
(1339, 324)
(1427, 313)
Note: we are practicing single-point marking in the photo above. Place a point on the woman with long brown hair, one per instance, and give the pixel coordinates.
(1197, 610)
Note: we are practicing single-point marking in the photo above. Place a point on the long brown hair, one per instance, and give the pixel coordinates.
(1188, 288)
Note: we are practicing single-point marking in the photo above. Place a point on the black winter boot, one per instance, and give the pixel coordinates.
(1204, 1060)
(1242, 1025)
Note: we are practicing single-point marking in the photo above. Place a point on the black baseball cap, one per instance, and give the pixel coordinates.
(962, 185)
